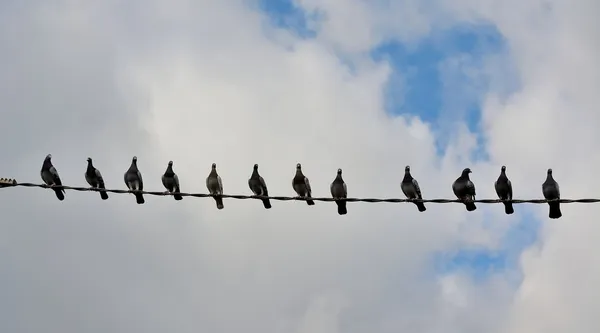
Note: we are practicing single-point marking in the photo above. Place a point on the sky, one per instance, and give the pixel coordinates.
(369, 87)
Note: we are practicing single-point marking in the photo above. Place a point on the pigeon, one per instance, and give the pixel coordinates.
(504, 190)
(259, 187)
(410, 188)
(51, 178)
(94, 178)
(464, 189)
(133, 180)
(551, 191)
(171, 182)
(339, 190)
(215, 186)
(302, 185)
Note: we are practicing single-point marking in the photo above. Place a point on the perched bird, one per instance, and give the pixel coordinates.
(215, 186)
(51, 178)
(302, 185)
(259, 187)
(551, 191)
(504, 190)
(171, 182)
(133, 180)
(94, 178)
(410, 188)
(464, 189)
(339, 191)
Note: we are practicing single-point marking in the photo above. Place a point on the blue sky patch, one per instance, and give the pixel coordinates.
(480, 263)
(455, 55)
(285, 14)
(441, 78)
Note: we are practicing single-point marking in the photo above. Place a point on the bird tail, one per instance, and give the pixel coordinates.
(177, 195)
(309, 202)
(421, 206)
(508, 208)
(554, 210)
(59, 193)
(266, 203)
(341, 207)
(219, 201)
(139, 198)
(103, 195)
(470, 206)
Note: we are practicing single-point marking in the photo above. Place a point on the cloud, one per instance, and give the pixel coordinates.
(555, 111)
(213, 81)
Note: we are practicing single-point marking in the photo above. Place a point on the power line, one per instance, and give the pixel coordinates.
(6, 183)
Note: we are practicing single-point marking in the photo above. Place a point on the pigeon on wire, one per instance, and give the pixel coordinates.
(51, 178)
(551, 191)
(410, 188)
(339, 191)
(302, 185)
(259, 187)
(215, 186)
(504, 190)
(94, 178)
(171, 182)
(134, 182)
(464, 189)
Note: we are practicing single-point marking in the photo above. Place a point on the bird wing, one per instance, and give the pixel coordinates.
(99, 178)
(55, 176)
(417, 188)
(262, 184)
(139, 179)
(307, 184)
(471, 187)
(175, 181)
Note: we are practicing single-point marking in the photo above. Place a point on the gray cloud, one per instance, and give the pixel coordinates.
(180, 81)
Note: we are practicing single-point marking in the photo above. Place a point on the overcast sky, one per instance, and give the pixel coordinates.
(369, 87)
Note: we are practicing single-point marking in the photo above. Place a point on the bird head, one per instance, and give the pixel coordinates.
(339, 172)
(170, 163)
(89, 160)
(214, 166)
(134, 160)
(298, 166)
(407, 169)
(255, 166)
(48, 157)
(549, 171)
(466, 171)
(503, 169)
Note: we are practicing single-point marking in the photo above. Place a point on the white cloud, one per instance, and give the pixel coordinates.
(555, 112)
(203, 82)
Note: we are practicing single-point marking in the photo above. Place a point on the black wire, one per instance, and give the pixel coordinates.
(12, 183)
